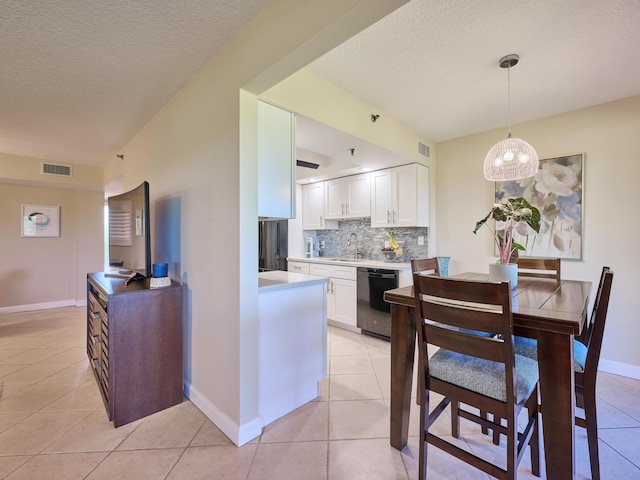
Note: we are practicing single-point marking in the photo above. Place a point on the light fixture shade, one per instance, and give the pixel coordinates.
(510, 159)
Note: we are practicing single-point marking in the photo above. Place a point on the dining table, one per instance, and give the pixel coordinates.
(554, 313)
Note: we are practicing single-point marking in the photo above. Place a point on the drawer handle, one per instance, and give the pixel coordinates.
(96, 339)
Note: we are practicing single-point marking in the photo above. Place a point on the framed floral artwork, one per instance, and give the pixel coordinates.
(556, 190)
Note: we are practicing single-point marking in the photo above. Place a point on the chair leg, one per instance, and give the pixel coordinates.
(496, 433)
(484, 415)
(592, 431)
(534, 444)
(455, 419)
(422, 444)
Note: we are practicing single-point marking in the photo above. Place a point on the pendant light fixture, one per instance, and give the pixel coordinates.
(511, 158)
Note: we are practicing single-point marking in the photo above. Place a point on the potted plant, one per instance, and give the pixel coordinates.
(515, 213)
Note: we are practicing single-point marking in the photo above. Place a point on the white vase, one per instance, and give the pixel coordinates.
(501, 273)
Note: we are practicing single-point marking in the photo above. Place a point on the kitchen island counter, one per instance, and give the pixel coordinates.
(292, 311)
(279, 280)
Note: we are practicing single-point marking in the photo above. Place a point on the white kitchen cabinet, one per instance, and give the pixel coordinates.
(348, 197)
(400, 197)
(313, 216)
(298, 267)
(341, 294)
(276, 162)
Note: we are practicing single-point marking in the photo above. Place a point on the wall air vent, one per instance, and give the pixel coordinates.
(424, 150)
(52, 169)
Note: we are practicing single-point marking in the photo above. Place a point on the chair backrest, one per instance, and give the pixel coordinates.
(426, 265)
(539, 267)
(595, 329)
(451, 310)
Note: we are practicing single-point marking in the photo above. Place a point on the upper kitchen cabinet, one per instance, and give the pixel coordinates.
(348, 197)
(276, 162)
(400, 196)
(313, 215)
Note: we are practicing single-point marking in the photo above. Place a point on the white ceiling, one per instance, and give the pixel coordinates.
(79, 79)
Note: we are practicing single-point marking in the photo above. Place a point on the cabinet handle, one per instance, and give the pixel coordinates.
(346, 208)
(394, 216)
(388, 216)
(321, 221)
(331, 282)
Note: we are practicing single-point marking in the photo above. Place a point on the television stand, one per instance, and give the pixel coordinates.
(134, 343)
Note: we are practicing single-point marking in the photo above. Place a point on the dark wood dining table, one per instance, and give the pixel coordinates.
(549, 311)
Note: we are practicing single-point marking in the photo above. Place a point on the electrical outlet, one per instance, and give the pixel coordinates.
(420, 240)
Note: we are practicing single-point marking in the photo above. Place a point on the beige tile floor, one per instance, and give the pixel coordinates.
(53, 424)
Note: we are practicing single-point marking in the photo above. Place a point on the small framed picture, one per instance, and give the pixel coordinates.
(40, 221)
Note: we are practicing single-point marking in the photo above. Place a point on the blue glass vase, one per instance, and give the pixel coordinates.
(443, 265)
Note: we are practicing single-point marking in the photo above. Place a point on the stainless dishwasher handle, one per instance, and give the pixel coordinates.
(382, 275)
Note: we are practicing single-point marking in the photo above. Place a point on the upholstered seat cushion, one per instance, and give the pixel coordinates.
(483, 376)
(528, 347)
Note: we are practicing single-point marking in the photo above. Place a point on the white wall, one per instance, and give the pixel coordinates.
(49, 272)
(609, 137)
(199, 156)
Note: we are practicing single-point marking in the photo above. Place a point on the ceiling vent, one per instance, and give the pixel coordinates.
(53, 169)
(302, 163)
(424, 150)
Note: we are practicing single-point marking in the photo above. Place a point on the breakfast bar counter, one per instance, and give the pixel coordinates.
(292, 341)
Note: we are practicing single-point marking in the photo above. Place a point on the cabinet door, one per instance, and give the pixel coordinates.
(335, 205)
(344, 301)
(313, 206)
(403, 192)
(276, 165)
(410, 192)
(358, 196)
(381, 208)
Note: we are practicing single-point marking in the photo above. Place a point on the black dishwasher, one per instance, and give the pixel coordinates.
(374, 314)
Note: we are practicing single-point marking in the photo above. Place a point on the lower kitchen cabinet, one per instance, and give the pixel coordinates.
(134, 344)
(341, 294)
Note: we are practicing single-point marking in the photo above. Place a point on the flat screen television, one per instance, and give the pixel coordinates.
(128, 231)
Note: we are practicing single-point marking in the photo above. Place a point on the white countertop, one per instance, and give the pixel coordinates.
(350, 262)
(278, 280)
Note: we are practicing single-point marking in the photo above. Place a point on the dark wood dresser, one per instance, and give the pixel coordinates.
(134, 343)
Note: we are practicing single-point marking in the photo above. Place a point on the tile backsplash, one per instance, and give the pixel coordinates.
(371, 240)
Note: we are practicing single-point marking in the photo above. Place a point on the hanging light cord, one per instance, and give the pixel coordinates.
(509, 98)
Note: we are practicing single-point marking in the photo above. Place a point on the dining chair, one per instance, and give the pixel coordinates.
(426, 265)
(540, 267)
(586, 352)
(477, 371)
(432, 266)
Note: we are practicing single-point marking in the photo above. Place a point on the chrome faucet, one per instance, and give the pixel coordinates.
(356, 252)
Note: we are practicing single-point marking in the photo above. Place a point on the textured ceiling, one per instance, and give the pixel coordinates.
(434, 64)
(79, 79)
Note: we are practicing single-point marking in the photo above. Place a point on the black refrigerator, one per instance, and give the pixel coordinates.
(272, 245)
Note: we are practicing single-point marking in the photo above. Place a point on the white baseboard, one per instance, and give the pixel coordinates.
(618, 368)
(42, 306)
(239, 434)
